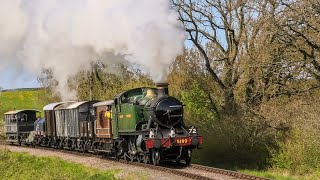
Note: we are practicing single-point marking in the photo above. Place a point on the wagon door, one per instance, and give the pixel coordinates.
(103, 127)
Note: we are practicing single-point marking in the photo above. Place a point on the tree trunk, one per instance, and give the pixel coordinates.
(229, 102)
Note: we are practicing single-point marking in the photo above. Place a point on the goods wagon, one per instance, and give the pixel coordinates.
(19, 124)
(61, 123)
(80, 114)
(50, 125)
(103, 123)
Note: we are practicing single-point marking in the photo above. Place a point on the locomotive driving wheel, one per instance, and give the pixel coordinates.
(155, 157)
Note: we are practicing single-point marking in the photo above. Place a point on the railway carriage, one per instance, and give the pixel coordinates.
(19, 124)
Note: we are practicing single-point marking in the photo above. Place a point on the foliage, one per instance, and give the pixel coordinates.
(299, 152)
(23, 166)
(103, 85)
(280, 174)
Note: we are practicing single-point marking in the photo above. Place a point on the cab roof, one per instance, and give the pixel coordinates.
(19, 111)
(135, 89)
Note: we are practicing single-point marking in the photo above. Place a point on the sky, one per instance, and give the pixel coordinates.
(11, 78)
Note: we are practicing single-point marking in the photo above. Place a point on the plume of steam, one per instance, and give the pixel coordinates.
(66, 36)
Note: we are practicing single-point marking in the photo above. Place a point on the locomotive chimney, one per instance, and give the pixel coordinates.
(163, 89)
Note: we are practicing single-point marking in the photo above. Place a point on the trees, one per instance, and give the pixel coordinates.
(104, 83)
(205, 21)
(300, 30)
(225, 34)
(254, 64)
(267, 46)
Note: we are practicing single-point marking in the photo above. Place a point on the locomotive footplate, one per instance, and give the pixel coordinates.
(193, 141)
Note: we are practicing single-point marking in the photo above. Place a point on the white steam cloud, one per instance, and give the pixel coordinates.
(67, 35)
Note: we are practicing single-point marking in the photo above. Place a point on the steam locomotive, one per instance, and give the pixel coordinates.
(142, 124)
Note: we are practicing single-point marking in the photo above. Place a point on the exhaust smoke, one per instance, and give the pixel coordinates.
(66, 36)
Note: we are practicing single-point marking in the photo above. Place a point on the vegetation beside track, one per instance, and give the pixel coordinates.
(280, 174)
(23, 166)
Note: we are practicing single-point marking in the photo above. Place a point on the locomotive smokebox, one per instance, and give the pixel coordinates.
(163, 89)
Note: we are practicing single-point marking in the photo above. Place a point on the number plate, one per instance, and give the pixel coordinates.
(182, 141)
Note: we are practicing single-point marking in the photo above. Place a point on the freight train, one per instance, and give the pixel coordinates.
(142, 124)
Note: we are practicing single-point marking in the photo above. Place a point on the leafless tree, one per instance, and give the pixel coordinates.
(224, 32)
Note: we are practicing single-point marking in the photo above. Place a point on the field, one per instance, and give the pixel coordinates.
(23, 166)
(20, 99)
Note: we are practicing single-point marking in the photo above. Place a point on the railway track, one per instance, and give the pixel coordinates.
(226, 172)
(178, 170)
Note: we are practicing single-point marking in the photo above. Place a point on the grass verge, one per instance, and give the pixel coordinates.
(280, 174)
(24, 166)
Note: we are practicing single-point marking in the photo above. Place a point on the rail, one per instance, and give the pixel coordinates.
(226, 172)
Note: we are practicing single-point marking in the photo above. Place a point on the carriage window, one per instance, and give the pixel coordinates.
(124, 98)
(24, 118)
(13, 118)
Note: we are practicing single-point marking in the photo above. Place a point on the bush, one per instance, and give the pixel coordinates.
(299, 149)
(300, 153)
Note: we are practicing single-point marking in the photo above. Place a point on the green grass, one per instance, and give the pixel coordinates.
(24, 166)
(21, 99)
